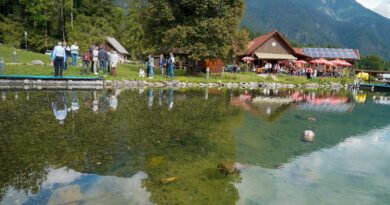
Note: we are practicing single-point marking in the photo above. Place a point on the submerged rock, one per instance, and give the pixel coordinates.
(228, 168)
(308, 136)
(168, 180)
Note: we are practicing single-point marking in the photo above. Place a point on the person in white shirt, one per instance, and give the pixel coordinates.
(114, 62)
(74, 49)
(57, 57)
(95, 59)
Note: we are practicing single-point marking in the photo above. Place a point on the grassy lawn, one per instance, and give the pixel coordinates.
(22, 56)
(130, 72)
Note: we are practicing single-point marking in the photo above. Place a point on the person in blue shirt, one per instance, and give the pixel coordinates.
(151, 66)
(171, 64)
(58, 57)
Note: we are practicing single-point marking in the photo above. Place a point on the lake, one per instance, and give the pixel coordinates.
(164, 146)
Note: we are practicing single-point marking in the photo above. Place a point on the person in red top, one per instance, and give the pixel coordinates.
(85, 65)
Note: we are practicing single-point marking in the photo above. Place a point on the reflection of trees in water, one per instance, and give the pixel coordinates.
(185, 142)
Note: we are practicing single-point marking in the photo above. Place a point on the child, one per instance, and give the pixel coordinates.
(141, 73)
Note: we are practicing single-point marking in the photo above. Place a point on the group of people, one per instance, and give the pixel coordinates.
(107, 60)
(307, 70)
(235, 68)
(165, 63)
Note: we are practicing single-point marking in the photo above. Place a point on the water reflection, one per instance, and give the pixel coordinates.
(353, 172)
(67, 186)
(118, 144)
(59, 107)
(150, 97)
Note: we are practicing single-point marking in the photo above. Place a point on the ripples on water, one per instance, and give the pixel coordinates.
(113, 147)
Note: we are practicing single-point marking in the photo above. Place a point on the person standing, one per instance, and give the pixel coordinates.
(109, 58)
(67, 54)
(90, 50)
(151, 66)
(85, 64)
(161, 64)
(171, 63)
(95, 59)
(309, 71)
(114, 62)
(74, 49)
(58, 56)
(102, 56)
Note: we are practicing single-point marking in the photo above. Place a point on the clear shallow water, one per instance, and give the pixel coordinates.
(113, 147)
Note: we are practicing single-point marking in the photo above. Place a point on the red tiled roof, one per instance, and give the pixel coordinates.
(299, 51)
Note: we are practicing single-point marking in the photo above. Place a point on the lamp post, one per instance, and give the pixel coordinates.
(25, 39)
(1, 65)
(14, 54)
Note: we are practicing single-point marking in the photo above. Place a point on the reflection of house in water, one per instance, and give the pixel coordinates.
(323, 103)
(264, 107)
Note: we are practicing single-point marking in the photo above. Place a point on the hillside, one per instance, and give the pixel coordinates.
(338, 22)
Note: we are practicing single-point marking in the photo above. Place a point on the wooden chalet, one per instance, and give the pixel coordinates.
(272, 47)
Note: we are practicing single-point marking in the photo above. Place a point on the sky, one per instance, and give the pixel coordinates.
(380, 6)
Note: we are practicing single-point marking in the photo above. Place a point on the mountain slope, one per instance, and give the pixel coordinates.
(341, 22)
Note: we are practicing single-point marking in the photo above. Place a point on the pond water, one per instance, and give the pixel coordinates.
(163, 146)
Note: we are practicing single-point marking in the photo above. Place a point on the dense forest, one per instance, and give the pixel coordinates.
(201, 29)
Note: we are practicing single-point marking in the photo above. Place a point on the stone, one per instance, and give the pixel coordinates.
(168, 180)
(108, 83)
(308, 136)
(227, 168)
(37, 62)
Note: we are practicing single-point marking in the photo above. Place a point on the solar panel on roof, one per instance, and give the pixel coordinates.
(330, 53)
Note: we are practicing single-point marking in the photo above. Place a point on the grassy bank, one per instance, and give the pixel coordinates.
(130, 72)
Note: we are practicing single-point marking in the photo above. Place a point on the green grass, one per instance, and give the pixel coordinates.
(130, 72)
(22, 56)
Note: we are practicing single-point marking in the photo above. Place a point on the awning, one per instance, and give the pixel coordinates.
(275, 56)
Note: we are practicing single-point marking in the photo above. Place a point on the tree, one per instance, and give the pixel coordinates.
(372, 62)
(129, 28)
(39, 13)
(204, 29)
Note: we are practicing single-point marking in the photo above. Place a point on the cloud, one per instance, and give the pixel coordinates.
(383, 8)
(379, 6)
(60, 176)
